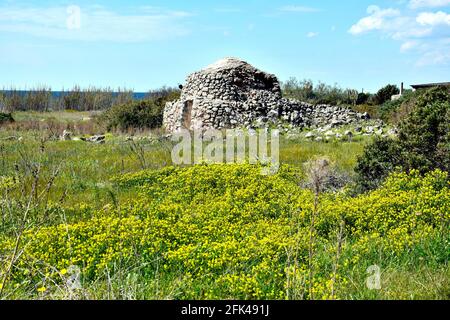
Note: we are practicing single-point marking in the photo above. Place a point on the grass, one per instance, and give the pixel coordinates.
(60, 116)
(86, 168)
(84, 173)
(344, 154)
(417, 274)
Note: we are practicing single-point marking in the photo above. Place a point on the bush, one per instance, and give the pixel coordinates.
(363, 98)
(385, 93)
(318, 94)
(379, 159)
(42, 98)
(423, 142)
(425, 134)
(6, 118)
(38, 99)
(164, 94)
(137, 115)
(397, 110)
(145, 114)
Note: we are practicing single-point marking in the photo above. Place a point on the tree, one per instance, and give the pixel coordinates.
(423, 142)
(385, 93)
(303, 91)
(352, 96)
(425, 134)
(363, 98)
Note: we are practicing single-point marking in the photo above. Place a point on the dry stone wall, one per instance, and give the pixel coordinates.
(231, 93)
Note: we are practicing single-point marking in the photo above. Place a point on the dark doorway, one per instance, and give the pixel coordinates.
(187, 114)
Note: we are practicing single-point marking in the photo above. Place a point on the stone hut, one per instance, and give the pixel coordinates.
(231, 93)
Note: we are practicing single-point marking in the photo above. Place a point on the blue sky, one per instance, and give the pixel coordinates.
(146, 44)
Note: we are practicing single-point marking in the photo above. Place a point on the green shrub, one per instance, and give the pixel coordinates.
(385, 93)
(397, 110)
(379, 159)
(363, 98)
(319, 93)
(145, 114)
(6, 118)
(423, 142)
(425, 134)
(38, 99)
(136, 114)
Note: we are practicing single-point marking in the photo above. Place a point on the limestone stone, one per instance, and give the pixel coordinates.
(231, 93)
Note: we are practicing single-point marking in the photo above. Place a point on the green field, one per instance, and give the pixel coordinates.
(138, 228)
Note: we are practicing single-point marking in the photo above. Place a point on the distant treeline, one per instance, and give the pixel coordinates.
(93, 99)
(90, 99)
(320, 93)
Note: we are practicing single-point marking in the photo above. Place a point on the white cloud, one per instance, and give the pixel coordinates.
(298, 9)
(433, 19)
(425, 34)
(96, 23)
(416, 4)
(312, 34)
(375, 21)
(408, 45)
(434, 57)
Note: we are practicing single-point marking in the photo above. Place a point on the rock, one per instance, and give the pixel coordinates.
(100, 139)
(272, 114)
(260, 122)
(348, 133)
(11, 138)
(310, 135)
(336, 123)
(292, 136)
(364, 116)
(370, 129)
(392, 132)
(66, 136)
(319, 139)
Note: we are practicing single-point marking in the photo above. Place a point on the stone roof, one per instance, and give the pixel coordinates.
(228, 63)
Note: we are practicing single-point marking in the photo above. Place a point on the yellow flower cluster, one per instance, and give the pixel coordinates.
(7, 183)
(234, 232)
